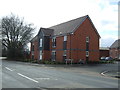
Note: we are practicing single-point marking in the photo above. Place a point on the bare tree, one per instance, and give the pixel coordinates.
(15, 35)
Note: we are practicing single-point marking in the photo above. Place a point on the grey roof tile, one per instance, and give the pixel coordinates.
(67, 27)
(116, 44)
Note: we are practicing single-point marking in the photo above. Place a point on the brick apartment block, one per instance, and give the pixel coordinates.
(76, 39)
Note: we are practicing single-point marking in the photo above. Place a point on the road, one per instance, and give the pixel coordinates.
(24, 75)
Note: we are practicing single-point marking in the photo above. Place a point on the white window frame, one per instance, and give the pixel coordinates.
(65, 53)
(53, 53)
(32, 52)
(41, 42)
(33, 47)
(65, 38)
(41, 53)
(53, 41)
(87, 39)
(87, 53)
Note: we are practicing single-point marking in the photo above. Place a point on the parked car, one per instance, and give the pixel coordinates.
(108, 58)
(102, 58)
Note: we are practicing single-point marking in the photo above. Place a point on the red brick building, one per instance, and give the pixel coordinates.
(115, 50)
(76, 39)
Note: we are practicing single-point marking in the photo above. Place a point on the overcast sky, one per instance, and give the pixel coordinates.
(46, 13)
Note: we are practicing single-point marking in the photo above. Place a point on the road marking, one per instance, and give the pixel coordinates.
(8, 69)
(103, 73)
(27, 77)
(43, 78)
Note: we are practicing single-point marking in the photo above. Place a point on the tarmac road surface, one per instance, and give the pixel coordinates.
(21, 75)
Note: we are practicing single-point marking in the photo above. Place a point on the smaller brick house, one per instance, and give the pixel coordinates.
(76, 39)
(104, 52)
(115, 50)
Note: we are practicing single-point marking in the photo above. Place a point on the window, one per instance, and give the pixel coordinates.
(32, 53)
(53, 55)
(87, 39)
(32, 57)
(65, 53)
(87, 53)
(87, 46)
(54, 41)
(41, 54)
(65, 38)
(64, 45)
(41, 42)
(33, 47)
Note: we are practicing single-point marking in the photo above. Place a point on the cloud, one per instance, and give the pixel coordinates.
(113, 3)
(104, 22)
(46, 13)
(107, 40)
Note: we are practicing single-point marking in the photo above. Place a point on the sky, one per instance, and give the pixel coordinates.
(47, 13)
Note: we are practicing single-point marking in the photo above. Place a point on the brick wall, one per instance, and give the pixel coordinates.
(76, 42)
(114, 53)
(104, 53)
(36, 51)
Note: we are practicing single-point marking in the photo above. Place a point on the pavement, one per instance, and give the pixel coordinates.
(30, 75)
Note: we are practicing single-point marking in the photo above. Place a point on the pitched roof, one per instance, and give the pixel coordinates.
(71, 26)
(68, 27)
(35, 38)
(47, 31)
(116, 44)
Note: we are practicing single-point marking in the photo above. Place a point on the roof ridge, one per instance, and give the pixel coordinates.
(68, 21)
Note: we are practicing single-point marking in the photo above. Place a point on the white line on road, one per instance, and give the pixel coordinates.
(27, 77)
(103, 73)
(43, 78)
(8, 69)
